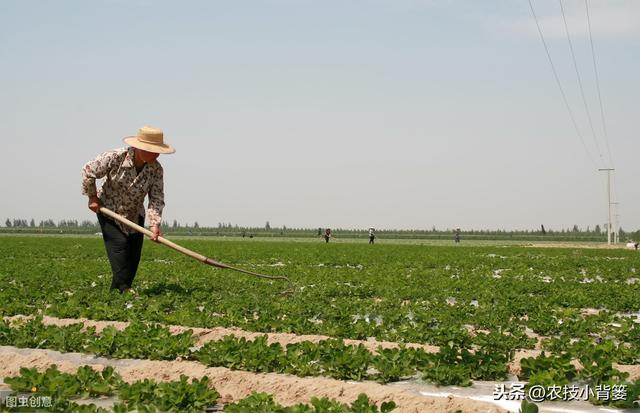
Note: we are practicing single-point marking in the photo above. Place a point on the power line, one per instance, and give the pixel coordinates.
(575, 66)
(564, 96)
(571, 115)
(595, 70)
(604, 124)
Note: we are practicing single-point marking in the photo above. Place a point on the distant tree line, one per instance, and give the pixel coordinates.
(48, 223)
(575, 233)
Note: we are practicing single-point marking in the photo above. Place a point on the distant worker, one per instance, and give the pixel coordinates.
(456, 236)
(372, 235)
(327, 234)
(544, 232)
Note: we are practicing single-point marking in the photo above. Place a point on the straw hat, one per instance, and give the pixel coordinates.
(149, 139)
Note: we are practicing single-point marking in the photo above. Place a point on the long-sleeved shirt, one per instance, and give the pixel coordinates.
(124, 189)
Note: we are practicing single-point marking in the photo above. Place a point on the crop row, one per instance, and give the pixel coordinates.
(597, 370)
(330, 358)
(63, 390)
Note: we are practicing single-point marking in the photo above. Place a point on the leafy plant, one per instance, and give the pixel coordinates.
(263, 403)
(140, 340)
(344, 362)
(180, 396)
(145, 396)
(528, 407)
(62, 387)
(553, 367)
(393, 364)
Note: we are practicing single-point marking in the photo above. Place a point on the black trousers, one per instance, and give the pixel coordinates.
(123, 250)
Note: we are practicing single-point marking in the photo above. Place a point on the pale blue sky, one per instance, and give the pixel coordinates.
(384, 113)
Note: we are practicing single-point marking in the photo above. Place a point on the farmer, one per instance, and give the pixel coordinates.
(327, 234)
(130, 174)
(372, 235)
(456, 236)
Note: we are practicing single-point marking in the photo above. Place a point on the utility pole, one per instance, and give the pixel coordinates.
(609, 194)
(616, 225)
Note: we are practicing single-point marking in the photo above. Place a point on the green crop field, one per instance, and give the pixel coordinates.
(479, 304)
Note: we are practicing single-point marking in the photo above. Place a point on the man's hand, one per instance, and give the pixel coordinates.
(156, 232)
(94, 204)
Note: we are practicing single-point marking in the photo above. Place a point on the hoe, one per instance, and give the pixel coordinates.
(185, 251)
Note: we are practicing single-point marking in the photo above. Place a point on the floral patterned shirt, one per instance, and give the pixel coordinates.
(124, 189)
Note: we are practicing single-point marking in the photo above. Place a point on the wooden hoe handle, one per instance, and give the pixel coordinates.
(183, 250)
